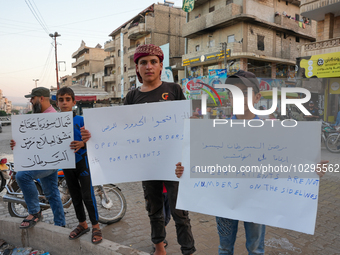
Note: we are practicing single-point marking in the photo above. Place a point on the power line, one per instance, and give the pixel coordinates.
(36, 16)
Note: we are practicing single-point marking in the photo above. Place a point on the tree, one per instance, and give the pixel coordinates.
(3, 113)
(15, 111)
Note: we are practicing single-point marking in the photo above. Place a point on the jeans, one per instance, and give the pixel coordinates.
(153, 193)
(49, 181)
(227, 230)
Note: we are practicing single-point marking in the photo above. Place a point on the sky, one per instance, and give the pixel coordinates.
(27, 51)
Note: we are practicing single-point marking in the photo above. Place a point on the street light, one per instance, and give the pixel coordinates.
(35, 80)
(55, 35)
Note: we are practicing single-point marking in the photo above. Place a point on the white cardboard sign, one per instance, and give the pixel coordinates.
(43, 141)
(285, 200)
(135, 142)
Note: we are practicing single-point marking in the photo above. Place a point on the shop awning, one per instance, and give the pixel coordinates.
(83, 93)
(268, 94)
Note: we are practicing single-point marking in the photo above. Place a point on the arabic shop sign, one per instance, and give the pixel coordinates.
(206, 57)
(320, 66)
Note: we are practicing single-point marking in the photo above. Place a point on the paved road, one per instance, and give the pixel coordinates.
(134, 229)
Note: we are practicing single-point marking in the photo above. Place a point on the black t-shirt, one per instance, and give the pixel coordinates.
(165, 92)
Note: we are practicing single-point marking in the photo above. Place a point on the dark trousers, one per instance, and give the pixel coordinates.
(80, 186)
(153, 193)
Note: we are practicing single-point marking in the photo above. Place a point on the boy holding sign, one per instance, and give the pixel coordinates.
(148, 59)
(79, 180)
(227, 228)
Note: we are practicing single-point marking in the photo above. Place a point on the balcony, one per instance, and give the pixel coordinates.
(293, 25)
(137, 31)
(81, 72)
(109, 46)
(131, 51)
(80, 51)
(219, 18)
(109, 61)
(81, 60)
(110, 78)
(131, 71)
(321, 47)
(316, 9)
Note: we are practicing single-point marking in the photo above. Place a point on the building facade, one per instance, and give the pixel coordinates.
(66, 81)
(261, 36)
(319, 65)
(89, 66)
(5, 104)
(158, 24)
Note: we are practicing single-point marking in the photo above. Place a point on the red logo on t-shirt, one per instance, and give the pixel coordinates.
(165, 96)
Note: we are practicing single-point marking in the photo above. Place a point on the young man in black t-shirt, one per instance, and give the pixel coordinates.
(148, 59)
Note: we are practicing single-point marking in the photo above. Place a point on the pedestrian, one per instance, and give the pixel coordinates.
(78, 180)
(149, 64)
(227, 228)
(314, 111)
(40, 100)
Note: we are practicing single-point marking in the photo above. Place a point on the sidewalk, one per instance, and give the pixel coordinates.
(134, 229)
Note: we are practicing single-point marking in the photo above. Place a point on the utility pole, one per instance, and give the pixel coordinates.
(35, 80)
(55, 35)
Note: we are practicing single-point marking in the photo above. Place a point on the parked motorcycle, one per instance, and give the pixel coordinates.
(110, 200)
(3, 173)
(333, 142)
(326, 130)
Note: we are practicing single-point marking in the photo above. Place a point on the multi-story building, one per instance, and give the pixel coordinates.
(8, 106)
(319, 65)
(1, 101)
(66, 81)
(158, 24)
(89, 62)
(263, 36)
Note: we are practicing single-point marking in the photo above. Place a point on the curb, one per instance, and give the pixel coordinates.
(55, 240)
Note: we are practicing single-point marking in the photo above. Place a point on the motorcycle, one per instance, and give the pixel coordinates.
(3, 173)
(333, 141)
(326, 130)
(111, 203)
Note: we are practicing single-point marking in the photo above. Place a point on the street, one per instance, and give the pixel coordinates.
(134, 229)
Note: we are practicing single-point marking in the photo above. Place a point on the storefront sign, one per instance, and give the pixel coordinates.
(320, 66)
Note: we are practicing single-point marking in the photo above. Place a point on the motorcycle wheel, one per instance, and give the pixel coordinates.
(113, 210)
(64, 193)
(2, 182)
(331, 145)
(20, 210)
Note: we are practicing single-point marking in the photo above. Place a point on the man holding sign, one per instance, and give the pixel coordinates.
(148, 59)
(40, 100)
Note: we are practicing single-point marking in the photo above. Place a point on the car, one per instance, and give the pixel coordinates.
(0, 127)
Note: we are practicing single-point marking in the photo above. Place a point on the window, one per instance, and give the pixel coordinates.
(124, 68)
(211, 9)
(125, 51)
(197, 48)
(260, 42)
(211, 43)
(297, 17)
(231, 38)
(229, 2)
(297, 39)
(118, 53)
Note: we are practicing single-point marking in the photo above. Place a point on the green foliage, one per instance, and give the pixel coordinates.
(3, 113)
(14, 111)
